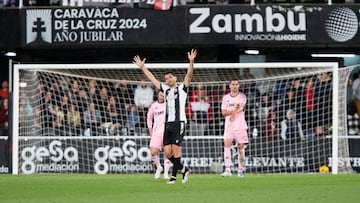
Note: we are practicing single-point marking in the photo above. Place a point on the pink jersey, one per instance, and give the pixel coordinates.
(229, 103)
(156, 118)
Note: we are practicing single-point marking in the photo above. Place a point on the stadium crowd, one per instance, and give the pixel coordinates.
(84, 108)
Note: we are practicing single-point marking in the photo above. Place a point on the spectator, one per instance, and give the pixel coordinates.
(102, 103)
(247, 74)
(217, 121)
(269, 129)
(125, 94)
(199, 89)
(280, 90)
(64, 104)
(93, 95)
(317, 131)
(309, 95)
(341, 60)
(74, 90)
(143, 95)
(113, 116)
(125, 97)
(92, 120)
(36, 122)
(4, 122)
(289, 102)
(291, 129)
(59, 117)
(322, 93)
(81, 103)
(24, 101)
(266, 104)
(56, 92)
(73, 118)
(4, 91)
(93, 84)
(143, 98)
(46, 110)
(351, 110)
(24, 119)
(41, 90)
(200, 114)
(268, 85)
(309, 104)
(356, 93)
(253, 97)
(298, 89)
(132, 119)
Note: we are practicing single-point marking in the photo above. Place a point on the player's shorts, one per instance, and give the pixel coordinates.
(174, 133)
(240, 136)
(156, 141)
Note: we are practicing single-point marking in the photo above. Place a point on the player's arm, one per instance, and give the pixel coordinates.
(224, 109)
(232, 112)
(191, 56)
(226, 112)
(150, 131)
(283, 130)
(149, 120)
(301, 132)
(141, 64)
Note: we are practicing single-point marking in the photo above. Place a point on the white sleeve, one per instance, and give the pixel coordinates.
(163, 87)
(136, 97)
(283, 129)
(300, 130)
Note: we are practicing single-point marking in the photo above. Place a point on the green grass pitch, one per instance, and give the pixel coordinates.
(54, 188)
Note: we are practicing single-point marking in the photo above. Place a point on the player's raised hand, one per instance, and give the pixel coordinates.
(137, 61)
(192, 54)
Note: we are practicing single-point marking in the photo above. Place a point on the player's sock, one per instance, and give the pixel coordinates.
(241, 159)
(173, 163)
(184, 170)
(156, 161)
(177, 166)
(172, 159)
(167, 165)
(227, 157)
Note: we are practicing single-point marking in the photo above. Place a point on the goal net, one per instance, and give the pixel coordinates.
(91, 118)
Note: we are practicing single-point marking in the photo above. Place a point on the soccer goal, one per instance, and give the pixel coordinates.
(91, 118)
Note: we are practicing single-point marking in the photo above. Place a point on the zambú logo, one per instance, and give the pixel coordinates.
(342, 24)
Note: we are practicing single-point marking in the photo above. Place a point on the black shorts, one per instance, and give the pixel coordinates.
(174, 133)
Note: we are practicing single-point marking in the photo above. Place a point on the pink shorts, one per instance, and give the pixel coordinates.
(240, 136)
(157, 141)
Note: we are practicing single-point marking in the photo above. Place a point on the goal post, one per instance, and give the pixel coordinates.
(47, 99)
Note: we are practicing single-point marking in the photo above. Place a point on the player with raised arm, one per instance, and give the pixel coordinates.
(155, 124)
(232, 107)
(175, 117)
